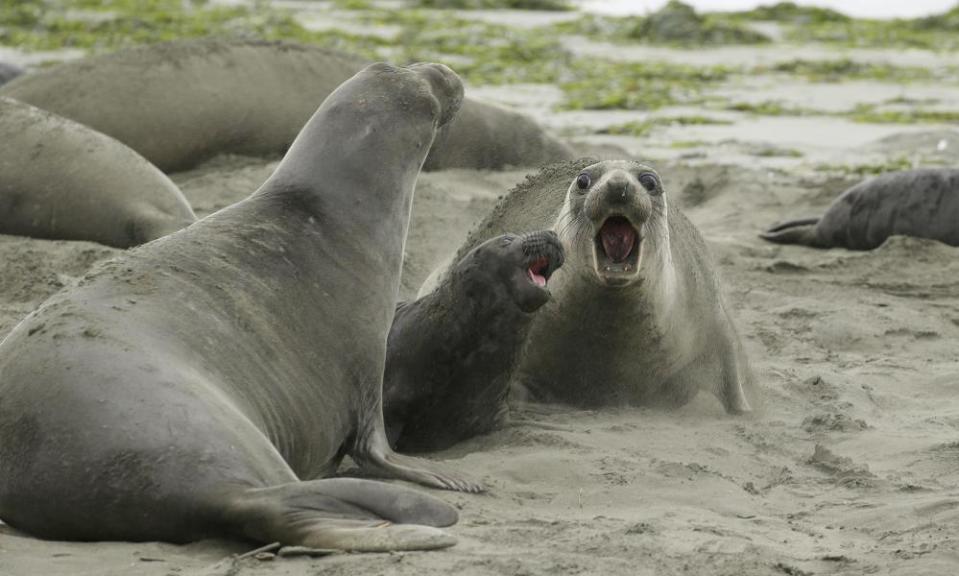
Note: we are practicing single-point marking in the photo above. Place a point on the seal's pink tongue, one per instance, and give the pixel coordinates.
(618, 237)
(535, 272)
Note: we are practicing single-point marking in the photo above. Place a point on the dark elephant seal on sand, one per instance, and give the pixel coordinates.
(182, 102)
(8, 72)
(197, 386)
(63, 181)
(637, 314)
(921, 203)
(451, 353)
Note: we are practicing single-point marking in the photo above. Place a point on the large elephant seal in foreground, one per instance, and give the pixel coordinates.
(921, 203)
(182, 102)
(637, 315)
(61, 180)
(195, 386)
(451, 353)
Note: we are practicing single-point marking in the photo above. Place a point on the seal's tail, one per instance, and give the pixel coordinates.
(793, 232)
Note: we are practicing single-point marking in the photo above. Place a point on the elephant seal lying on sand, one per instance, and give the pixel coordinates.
(63, 181)
(921, 203)
(183, 102)
(8, 72)
(450, 354)
(637, 314)
(198, 385)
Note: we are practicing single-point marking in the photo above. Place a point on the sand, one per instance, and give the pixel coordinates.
(851, 468)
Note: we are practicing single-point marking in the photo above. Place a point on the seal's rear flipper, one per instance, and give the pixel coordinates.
(793, 232)
(342, 514)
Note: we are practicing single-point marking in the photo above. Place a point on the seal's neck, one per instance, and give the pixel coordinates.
(352, 170)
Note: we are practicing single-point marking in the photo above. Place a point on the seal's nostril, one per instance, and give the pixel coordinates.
(617, 188)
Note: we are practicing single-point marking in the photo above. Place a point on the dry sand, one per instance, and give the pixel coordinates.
(852, 468)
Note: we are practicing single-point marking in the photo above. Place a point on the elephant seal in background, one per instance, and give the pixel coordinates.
(921, 203)
(196, 386)
(8, 72)
(61, 180)
(180, 103)
(637, 314)
(450, 354)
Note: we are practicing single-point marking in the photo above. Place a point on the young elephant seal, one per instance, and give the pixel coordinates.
(921, 203)
(63, 181)
(637, 314)
(197, 385)
(450, 354)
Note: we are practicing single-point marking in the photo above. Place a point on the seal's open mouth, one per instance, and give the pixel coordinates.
(539, 271)
(616, 250)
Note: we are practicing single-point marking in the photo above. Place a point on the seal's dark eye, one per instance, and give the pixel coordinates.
(648, 181)
(582, 181)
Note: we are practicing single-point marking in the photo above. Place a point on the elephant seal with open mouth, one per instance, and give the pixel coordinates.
(637, 314)
(203, 384)
(451, 353)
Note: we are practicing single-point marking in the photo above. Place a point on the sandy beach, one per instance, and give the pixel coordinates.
(850, 467)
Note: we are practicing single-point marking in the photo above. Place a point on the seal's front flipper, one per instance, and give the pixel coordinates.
(342, 514)
(736, 378)
(376, 457)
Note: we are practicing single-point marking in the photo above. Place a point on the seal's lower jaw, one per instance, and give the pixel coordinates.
(617, 252)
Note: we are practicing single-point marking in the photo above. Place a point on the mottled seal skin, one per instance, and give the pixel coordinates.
(183, 102)
(637, 315)
(921, 203)
(450, 354)
(8, 72)
(196, 386)
(63, 181)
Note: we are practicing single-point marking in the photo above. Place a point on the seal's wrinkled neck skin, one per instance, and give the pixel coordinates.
(614, 226)
(327, 173)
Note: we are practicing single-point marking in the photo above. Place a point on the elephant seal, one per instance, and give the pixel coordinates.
(182, 102)
(637, 314)
(63, 181)
(450, 354)
(921, 203)
(8, 72)
(196, 386)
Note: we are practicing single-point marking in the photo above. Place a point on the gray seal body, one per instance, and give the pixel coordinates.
(63, 181)
(451, 353)
(204, 384)
(8, 72)
(180, 103)
(921, 203)
(637, 315)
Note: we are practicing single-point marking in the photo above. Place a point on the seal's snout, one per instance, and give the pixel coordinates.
(444, 85)
(544, 255)
(618, 188)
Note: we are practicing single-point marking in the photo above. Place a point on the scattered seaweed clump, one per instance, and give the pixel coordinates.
(678, 23)
(792, 13)
(847, 69)
(547, 5)
(604, 85)
(644, 127)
